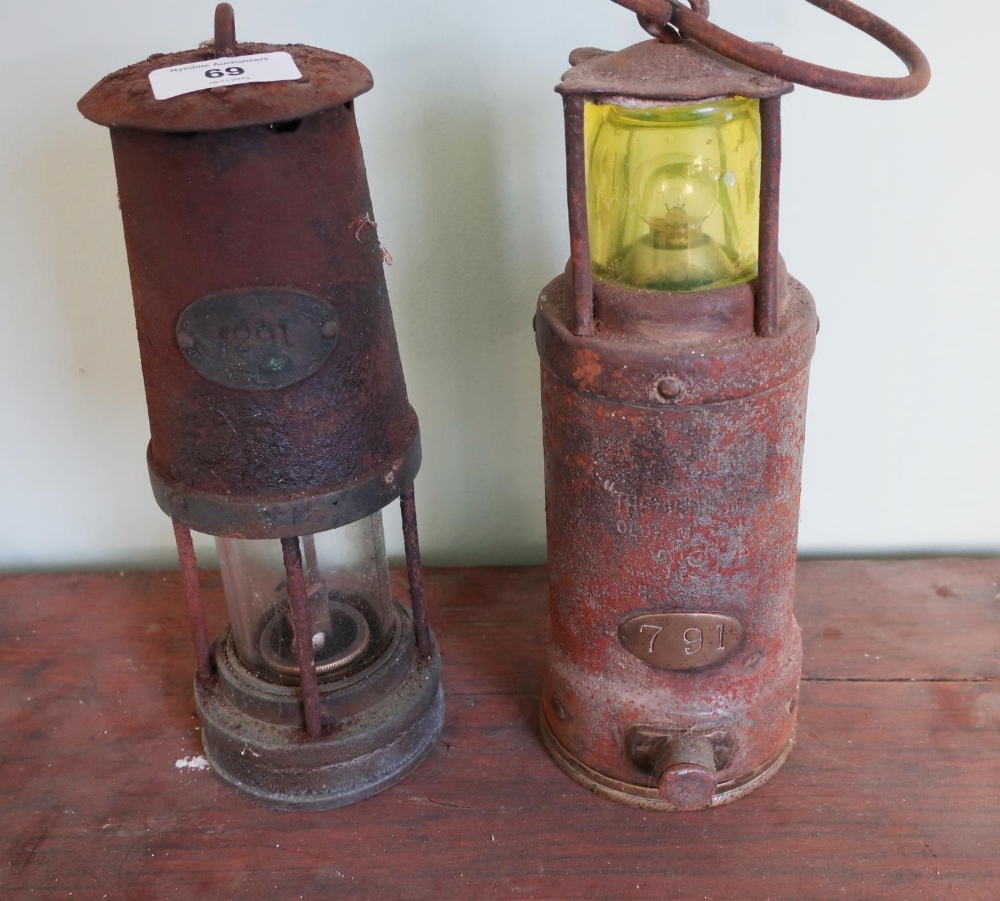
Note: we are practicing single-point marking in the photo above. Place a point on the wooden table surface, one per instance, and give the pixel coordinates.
(893, 790)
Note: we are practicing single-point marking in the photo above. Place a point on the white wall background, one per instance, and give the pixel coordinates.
(889, 215)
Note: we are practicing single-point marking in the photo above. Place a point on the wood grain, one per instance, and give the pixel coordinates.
(892, 791)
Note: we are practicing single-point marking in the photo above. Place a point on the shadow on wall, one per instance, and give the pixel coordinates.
(87, 432)
(464, 299)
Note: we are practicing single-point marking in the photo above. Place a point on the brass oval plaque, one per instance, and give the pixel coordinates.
(681, 641)
(257, 338)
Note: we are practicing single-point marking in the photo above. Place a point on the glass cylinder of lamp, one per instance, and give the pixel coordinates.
(674, 193)
(347, 584)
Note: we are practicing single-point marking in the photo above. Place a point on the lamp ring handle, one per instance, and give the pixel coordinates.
(692, 24)
(662, 31)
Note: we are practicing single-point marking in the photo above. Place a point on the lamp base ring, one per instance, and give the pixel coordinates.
(261, 515)
(647, 797)
(366, 753)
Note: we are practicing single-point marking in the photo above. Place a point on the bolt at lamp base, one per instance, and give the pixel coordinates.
(647, 797)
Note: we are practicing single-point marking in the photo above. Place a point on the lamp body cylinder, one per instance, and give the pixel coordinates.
(673, 445)
(275, 392)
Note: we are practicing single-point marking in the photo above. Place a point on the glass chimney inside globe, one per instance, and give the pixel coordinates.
(674, 193)
(347, 587)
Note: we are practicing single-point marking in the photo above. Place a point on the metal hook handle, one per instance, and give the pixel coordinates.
(692, 24)
(225, 29)
(662, 31)
(701, 7)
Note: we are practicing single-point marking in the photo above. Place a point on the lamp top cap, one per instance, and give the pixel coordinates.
(669, 72)
(124, 99)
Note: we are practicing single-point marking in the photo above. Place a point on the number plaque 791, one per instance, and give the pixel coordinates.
(681, 641)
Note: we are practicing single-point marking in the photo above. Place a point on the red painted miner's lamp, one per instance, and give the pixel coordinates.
(279, 416)
(675, 353)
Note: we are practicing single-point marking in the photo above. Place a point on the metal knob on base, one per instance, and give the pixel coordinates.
(685, 772)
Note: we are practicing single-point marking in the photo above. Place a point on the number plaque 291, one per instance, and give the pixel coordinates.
(681, 641)
(257, 338)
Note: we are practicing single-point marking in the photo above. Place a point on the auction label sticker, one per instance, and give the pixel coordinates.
(229, 70)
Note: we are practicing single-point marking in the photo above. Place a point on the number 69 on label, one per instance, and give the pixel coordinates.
(221, 73)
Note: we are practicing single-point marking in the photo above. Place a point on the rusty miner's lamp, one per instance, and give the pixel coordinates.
(675, 353)
(279, 417)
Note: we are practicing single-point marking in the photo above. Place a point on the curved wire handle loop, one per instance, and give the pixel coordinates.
(692, 24)
(700, 6)
(665, 33)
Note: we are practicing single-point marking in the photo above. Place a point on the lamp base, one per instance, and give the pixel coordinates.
(368, 744)
(646, 796)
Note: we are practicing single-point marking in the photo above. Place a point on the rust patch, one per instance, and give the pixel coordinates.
(588, 368)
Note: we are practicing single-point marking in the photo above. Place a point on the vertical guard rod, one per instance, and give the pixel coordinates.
(766, 309)
(302, 629)
(414, 571)
(192, 590)
(579, 229)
